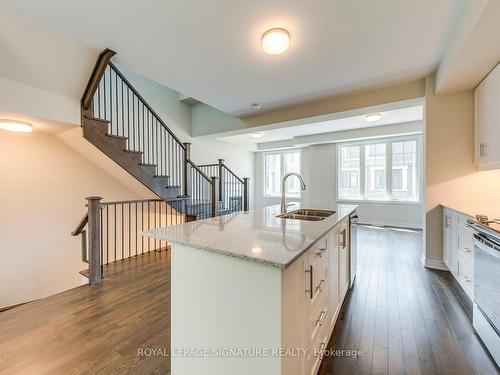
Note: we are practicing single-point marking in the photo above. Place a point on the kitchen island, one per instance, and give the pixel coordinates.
(252, 293)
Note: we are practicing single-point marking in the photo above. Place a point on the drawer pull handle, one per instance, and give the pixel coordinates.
(310, 291)
(321, 318)
(322, 350)
(320, 252)
(321, 285)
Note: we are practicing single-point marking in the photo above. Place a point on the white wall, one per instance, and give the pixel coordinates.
(42, 191)
(319, 168)
(177, 116)
(451, 177)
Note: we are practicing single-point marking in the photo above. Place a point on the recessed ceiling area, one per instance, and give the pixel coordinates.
(396, 116)
(211, 50)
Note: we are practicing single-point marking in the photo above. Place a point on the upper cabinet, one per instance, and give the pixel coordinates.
(487, 121)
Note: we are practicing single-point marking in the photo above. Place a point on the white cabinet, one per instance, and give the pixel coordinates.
(487, 121)
(458, 249)
(315, 286)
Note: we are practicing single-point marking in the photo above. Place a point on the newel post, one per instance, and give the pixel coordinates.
(187, 175)
(94, 226)
(221, 180)
(245, 193)
(215, 195)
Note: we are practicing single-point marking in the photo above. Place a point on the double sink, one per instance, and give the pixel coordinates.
(307, 214)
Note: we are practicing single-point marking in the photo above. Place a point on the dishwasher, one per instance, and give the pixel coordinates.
(353, 243)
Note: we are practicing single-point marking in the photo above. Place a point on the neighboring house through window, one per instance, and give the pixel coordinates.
(380, 170)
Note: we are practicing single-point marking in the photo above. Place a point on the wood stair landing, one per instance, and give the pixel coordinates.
(115, 147)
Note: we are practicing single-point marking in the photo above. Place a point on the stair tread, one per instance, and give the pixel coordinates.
(116, 136)
(85, 273)
(97, 119)
(134, 152)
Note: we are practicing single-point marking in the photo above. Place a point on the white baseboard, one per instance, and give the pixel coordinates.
(434, 264)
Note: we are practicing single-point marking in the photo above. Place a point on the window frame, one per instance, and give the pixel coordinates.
(282, 164)
(388, 141)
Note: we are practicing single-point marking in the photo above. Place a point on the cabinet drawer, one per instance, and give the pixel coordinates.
(317, 285)
(466, 257)
(317, 320)
(318, 253)
(315, 355)
(466, 278)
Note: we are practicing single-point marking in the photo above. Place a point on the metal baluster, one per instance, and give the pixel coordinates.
(107, 234)
(149, 225)
(102, 238)
(142, 227)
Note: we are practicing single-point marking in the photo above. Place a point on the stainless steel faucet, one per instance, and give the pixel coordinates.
(283, 188)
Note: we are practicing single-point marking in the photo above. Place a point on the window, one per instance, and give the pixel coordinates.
(276, 165)
(349, 172)
(381, 170)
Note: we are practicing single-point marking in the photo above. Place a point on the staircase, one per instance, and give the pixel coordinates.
(119, 122)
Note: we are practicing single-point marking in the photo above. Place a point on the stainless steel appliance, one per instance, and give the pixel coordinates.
(486, 313)
(353, 243)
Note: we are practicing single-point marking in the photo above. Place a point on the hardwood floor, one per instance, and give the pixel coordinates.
(404, 318)
(94, 330)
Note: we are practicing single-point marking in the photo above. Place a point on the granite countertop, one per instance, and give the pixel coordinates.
(471, 210)
(256, 235)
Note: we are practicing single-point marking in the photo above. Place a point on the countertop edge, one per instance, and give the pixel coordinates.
(281, 266)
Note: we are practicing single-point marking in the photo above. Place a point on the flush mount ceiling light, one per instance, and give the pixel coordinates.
(256, 106)
(256, 135)
(15, 126)
(275, 41)
(373, 117)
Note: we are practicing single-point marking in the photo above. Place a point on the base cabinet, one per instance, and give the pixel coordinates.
(310, 313)
(219, 301)
(458, 249)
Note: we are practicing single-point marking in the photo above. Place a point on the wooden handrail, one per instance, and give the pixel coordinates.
(145, 103)
(193, 165)
(230, 171)
(79, 228)
(131, 201)
(97, 73)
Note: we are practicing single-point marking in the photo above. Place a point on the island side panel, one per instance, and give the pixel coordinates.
(218, 301)
(294, 313)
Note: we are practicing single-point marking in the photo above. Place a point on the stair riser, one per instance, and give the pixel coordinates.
(115, 149)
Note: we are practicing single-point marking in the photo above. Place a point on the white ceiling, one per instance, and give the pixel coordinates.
(210, 50)
(403, 115)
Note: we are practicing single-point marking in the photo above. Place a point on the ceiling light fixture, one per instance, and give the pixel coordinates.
(256, 135)
(275, 41)
(15, 126)
(373, 117)
(256, 106)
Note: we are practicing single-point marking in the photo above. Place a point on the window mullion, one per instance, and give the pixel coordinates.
(362, 170)
(388, 172)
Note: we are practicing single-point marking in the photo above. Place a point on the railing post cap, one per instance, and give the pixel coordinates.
(93, 198)
(221, 160)
(187, 143)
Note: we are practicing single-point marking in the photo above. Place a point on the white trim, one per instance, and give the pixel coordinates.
(434, 264)
(380, 201)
